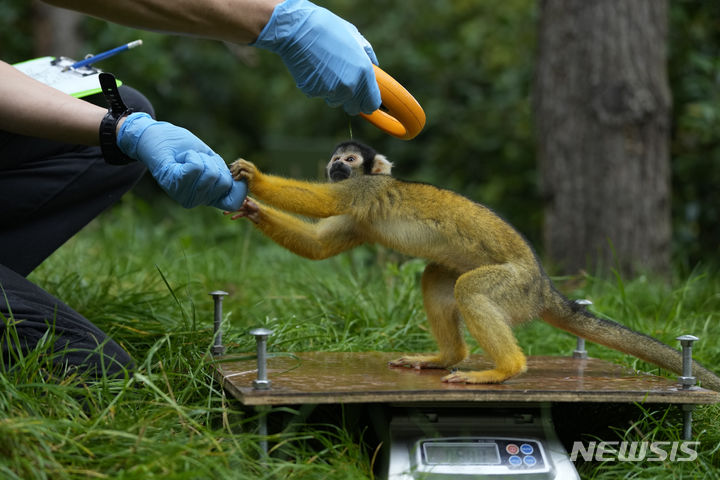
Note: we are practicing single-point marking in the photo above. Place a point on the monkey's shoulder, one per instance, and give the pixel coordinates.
(384, 196)
(376, 183)
(415, 192)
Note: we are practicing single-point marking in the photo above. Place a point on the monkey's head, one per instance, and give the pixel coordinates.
(352, 159)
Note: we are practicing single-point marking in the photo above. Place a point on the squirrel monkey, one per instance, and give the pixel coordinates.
(481, 271)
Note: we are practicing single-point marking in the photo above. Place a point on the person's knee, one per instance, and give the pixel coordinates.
(67, 352)
(107, 360)
(131, 97)
(136, 101)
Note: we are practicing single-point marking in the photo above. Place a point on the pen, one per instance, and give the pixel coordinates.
(101, 56)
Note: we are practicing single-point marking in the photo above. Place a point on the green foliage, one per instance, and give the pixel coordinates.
(16, 31)
(695, 82)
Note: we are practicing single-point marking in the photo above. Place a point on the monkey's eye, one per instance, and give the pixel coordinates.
(350, 159)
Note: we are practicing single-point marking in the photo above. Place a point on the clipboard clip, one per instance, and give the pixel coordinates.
(67, 66)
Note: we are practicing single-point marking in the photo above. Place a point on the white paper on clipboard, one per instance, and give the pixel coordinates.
(54, 72)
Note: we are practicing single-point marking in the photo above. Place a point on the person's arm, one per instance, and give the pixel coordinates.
(238, 21)
(185, 167)
(326, 55)
(29, 107)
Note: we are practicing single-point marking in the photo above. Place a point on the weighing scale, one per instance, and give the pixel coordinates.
(446, 431)
(494, 441)
(449, 431)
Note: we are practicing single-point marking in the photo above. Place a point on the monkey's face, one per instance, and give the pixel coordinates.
(353, 159)
(344, 164)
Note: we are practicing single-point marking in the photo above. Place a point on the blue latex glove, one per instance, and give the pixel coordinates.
(187, 169)
(326, 55)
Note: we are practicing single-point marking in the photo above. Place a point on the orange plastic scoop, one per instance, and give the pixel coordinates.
(400, 114)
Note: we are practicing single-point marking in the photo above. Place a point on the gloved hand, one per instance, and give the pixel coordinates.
(187, 169)
(326, 55)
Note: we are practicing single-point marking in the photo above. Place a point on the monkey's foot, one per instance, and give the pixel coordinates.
(423, 361)
(485, 376)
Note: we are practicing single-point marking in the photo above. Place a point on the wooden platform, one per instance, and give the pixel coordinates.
(330, 377)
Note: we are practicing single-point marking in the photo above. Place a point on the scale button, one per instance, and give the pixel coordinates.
(515, 460)
(530, 461)
(512, 449)
(526, 449)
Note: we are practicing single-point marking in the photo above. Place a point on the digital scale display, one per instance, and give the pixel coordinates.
(460, 453)
(481, 456)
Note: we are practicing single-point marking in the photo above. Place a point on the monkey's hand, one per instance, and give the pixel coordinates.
(249, 209)
(243, 170)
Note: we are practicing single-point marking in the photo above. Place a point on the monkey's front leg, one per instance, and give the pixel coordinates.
(322, 239)
(310, 199)
(444, 318)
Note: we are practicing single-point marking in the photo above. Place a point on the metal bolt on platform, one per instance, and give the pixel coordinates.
(580, 351)
(686, 379)
(261, 335)
(262, 382)
(218, 348)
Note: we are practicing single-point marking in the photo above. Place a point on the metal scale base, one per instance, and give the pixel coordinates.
(438, 427)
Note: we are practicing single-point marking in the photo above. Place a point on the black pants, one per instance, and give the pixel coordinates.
(48, 192)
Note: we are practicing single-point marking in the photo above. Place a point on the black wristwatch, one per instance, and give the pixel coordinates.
(116, 111)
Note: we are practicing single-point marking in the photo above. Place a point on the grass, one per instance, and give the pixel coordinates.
(143, 275)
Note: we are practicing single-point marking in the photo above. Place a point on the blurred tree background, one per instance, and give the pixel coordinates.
(470, 64)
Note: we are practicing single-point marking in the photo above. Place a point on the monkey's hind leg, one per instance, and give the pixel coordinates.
(489, 298)
(441, 309)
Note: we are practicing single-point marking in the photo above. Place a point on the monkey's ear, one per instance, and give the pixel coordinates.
(381, 165)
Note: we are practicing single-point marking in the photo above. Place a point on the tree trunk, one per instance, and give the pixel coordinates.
(603, 122)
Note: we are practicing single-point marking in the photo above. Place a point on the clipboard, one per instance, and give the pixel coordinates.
(56, 72)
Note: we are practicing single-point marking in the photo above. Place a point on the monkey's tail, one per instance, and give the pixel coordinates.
(572, 317)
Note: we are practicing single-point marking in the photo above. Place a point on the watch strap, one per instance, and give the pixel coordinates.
(108, 126)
